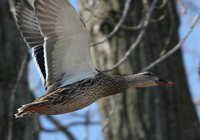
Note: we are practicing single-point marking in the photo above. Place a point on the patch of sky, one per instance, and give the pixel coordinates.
(191, 48)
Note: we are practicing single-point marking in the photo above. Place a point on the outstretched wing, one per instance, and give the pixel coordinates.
(28, 26)
(67, 54)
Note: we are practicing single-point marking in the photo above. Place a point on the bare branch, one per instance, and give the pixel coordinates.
(145, 24)
(91, 9)
(123, 26)
(161, 6)
(61, 128)
(138, 39)
(177, 47)
(118, 25)
(69, 125)
(82, 123)
(19, 77)
(12, 97)
(172, 26)
(87, 122)
(114, 104)
(111, 113)
(86, 130)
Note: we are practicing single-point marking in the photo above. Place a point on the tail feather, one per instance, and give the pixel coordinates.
(22, 112)
(32, 109)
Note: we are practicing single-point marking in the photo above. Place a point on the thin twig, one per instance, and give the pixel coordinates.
(172, 26)
(114, 105)
(91, 10)
(111, 113)
(133, 28)
(86, 130)
(63, 129)
(138, 39)
(194, 22)
(72, 124)
(69, 125)
(123, 26)
(19, 77)
(118, 25)
(162, 5)
(177, 47)
(146, 22)
(12, 97)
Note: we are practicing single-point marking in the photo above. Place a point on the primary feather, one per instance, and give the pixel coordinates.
(28, 26)
(67, 55)
(60, 42)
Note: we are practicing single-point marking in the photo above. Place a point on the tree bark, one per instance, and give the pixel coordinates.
(157, 113)
(13, 53)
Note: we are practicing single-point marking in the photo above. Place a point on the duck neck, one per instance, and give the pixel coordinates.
(125, 82)
(111, 85)
(116, 84)
(135, 80)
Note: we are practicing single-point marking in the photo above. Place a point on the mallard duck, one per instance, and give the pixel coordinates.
(60, 44)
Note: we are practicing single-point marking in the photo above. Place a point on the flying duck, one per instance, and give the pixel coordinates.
(60, 44)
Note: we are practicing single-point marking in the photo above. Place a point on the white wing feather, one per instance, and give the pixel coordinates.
(67, 54)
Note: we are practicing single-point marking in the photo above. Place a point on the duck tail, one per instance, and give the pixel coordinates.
(32, 109)
(23, 111)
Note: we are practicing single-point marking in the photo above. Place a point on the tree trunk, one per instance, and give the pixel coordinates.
(14, 89)
(157, 113)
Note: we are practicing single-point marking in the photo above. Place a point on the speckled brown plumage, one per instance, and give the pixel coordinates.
(76, 96)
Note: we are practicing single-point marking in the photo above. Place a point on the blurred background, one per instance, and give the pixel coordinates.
(130, 36)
